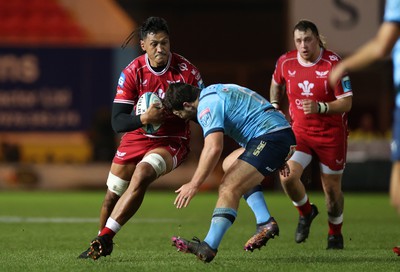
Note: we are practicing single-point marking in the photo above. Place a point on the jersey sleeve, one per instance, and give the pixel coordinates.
(343, 86)
(211, 114)
(392, 11)
(278, 76)
(127, 92)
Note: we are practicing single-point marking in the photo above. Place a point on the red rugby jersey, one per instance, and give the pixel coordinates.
(310, 81)
(138, 78)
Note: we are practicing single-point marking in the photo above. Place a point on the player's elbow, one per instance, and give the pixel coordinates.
(213, 151)
(116, 127)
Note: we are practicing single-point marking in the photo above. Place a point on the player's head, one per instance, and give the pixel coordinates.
(153, 25)
(307, 40)
(182, 99)
(154, 40)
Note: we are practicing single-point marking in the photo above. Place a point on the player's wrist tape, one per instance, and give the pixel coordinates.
(275, 104)
(322, 107)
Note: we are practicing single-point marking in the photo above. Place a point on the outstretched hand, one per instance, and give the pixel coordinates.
(185, 194)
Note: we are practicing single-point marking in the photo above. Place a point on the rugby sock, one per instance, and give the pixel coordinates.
(111, 228)
(303, 206)
(335, 225)
(256, 202)
(221, 220)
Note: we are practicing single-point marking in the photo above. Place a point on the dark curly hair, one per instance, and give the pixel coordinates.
(178, 93)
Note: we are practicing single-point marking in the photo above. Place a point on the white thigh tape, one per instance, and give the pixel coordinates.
(157, 162)
(116, 184)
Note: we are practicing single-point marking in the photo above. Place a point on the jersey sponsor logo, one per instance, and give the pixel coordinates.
(333, 58)
(205, 117)
(183, 67)
(173, 81)
(259, 148)
(299, 104)
(322, 74)
(194, 71)
(292, 73)
(121, 80)
(306, 86)
(120, 154)
(346, 84)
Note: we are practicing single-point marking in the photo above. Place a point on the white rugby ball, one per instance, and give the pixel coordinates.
(144, 102)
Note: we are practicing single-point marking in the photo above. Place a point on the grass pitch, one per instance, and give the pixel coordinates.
(46, 231)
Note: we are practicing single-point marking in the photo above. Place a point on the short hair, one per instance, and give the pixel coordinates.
(178, 93)
(304, 25)
(153, 25)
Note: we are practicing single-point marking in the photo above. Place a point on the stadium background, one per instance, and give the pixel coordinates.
(60, 61)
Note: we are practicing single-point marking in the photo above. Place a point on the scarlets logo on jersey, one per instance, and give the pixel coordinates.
(205, 117)
(120, 154)
(121, 80)
(333, 58)
(322, 74)
(183, 67)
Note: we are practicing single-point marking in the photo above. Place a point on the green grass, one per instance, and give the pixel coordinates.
(36, 235)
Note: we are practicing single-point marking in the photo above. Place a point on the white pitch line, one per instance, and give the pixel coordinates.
(17, 219)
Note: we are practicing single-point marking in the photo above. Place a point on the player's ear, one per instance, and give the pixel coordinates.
(186, 104)
(142, 45)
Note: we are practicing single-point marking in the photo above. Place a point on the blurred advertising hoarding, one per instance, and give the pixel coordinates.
(50, 89)
(51, 100)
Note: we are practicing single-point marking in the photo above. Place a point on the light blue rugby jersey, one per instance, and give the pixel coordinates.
(392, 14)
(237, 111)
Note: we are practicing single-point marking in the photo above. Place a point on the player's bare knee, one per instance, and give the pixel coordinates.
(227, 190)
(288, 181)
(116, 185)
(157, 162)
(110, 199)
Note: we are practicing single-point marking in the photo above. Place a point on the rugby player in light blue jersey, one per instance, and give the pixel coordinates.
(266, 141)
(386, 41)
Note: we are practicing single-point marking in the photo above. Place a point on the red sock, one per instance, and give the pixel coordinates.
(397, 250)
(108, 231)
(335, 229)
(304, 209)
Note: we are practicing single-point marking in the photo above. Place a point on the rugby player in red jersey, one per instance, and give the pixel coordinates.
(141, 158)
(318, 114)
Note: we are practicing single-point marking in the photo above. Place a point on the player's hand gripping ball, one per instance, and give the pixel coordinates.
(143, 104)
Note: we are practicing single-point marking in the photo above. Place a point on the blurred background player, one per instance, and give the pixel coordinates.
(267, 141)
(385, 41)
(141, 158)
(319, 119)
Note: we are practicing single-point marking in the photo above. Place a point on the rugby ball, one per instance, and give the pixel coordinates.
(144, 102)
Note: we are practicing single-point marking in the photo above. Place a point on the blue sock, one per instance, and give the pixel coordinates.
(255, 200)
(221, 220)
